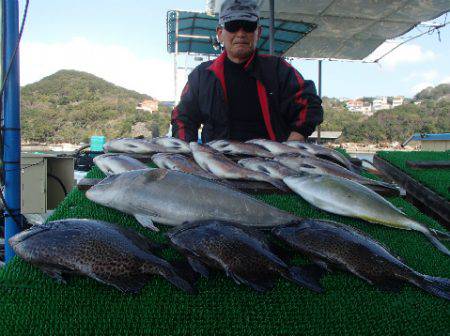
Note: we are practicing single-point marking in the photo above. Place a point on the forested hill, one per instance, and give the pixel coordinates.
(70, 106)
(427, 112)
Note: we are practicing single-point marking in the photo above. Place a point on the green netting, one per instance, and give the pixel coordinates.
(437, 180)
(34, 304)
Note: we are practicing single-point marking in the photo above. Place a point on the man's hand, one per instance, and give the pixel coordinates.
(294, 136)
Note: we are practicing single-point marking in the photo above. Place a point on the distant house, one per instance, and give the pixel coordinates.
(431, 142)
(380, 103)
(148, 105)
(358, 105)
(325, 136)
(397, 101)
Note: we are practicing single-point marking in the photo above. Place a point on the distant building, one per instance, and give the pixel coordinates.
(397, 101)
(358, 105)
(148, 105)
(431, 142)
(380, 103)
(325, 136)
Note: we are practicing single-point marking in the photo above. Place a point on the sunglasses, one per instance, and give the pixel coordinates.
(234, 26)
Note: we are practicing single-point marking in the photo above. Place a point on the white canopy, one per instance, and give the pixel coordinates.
(349, 29)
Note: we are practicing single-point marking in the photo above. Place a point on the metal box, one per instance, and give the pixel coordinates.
(42, 179)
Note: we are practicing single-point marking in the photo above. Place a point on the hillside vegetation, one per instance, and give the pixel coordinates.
(431, 116)
(70, 106)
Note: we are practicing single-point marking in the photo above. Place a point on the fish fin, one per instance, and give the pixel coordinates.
(183, 267)
(198, 267)
(146, 221)
(280, 251)
(441, 235)
(323, 265)
(127, 284)
(142, 241)
(171, 275)
(435, 241)
(261, 284)
(307, 276)
(55, 274)
(439, 287)
(279, 184)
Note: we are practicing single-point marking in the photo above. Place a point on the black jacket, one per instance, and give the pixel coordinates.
(288, 102)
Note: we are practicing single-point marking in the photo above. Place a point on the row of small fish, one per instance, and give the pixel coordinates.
(126, 260)
(256, 148)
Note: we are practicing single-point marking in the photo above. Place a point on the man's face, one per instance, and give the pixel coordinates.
(241, 43)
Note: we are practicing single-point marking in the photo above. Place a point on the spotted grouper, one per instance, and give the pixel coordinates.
(102, 251)
(333, 245)
(241, 252)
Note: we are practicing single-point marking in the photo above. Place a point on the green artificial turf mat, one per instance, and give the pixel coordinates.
(33, 303)
(437, 180)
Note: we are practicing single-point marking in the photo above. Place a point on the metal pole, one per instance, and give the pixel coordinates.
(11, 123)
(175, 66)
(272, 27)
(319, 81)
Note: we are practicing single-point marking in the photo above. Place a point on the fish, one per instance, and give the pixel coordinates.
(234, 147)
(171, 197)
(276, 148)
(242, 253)
(348, 198)
(114, 163)
(103, 251)
(132, 146)
(332, 245)
(323, 153)
(267, 166)
(313, 165)
(221, 166)
(181, 163)
(171, 145)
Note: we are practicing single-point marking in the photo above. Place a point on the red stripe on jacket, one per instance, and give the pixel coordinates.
(217, 66)
(265, 109)
(301, 101)
(180, 124)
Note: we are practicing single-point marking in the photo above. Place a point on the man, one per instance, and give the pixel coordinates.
(242, 95)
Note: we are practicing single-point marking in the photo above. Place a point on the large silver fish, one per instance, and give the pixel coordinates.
(102, 251)
(243, 254)
(267, 166)
(114, 163)
(276, 148)
(181, 163)
(347, 198)
(313, 165)
(172, 198)
(171, 145)
(219, 165)
(323, 153)
(337, 246)
(132, 146)
(234, 147)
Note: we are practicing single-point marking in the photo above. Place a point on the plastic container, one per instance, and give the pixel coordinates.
(97, 142)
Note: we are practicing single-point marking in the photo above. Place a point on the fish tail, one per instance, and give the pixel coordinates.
(436, 242)
(307, 276)
(175, 279)
(437, 286)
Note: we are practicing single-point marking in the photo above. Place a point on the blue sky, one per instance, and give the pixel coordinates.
(125, 42)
